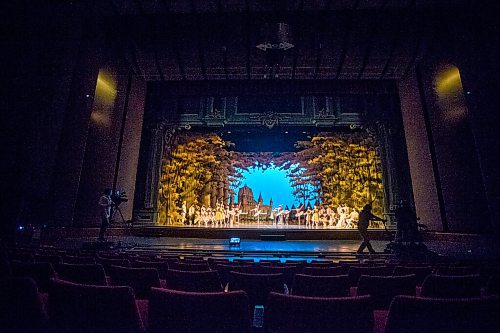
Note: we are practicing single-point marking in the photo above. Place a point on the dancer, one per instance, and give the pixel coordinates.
(364, 220)
(299, 213)
(308, 217)
(315, 216)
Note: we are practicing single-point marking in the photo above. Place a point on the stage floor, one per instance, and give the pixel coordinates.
(263, 226)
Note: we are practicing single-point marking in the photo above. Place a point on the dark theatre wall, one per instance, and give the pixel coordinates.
(56, 158)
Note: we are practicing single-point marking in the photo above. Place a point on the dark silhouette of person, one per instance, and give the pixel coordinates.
(407, 226)
(364, 220)
(105, 204)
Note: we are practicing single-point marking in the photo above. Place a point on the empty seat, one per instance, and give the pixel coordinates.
(53, 259)
(225, 269)
(107, 263)
(409, 314)
(420, 272)
(140, 279)
(321, 286)
(86, 274)
(456, 270)
(383, 289)
(80, 260)
(287, 271)
(84, 308)
(452, 286)
(178, 311)
(257, 286)
(325, 271)
(41, 272)
(356, 271)
(287, 313)
(189, 267)
(493, 285)
(21, 309)
(161, 266)
(195, 281)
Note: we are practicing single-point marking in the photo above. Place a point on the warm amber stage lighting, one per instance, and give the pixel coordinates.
(104, 100)
(450, 94)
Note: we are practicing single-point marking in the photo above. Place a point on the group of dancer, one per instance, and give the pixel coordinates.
(342, 217)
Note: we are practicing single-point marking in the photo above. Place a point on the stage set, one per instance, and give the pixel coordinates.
(304, 163)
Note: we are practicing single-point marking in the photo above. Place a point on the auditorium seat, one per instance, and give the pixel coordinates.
(189, 267)
(257, 286)
(83, 308)
(493, 285)
(21, 309)
(140, 279)
(287, 271)
(82, 273)
(107, 263)
(224, 270)
(408, 314)
(53, 259)
(325, 271)
(41, 272)
(356, 271)
(193, 281)
(79, 260)
(160, 266)
(420, 272)
(383, 289)
(452, 286)
(298, 314)
(456, 270)
(321, 286)
(179, 311)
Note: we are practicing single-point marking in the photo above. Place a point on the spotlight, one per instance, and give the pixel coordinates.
(21, 227)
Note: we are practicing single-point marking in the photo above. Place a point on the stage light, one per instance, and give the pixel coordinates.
(21, 227)
(234, 241)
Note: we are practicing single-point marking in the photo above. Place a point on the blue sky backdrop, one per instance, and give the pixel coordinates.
(272, 183)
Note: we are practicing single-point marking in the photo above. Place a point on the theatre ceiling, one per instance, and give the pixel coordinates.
(218, 40)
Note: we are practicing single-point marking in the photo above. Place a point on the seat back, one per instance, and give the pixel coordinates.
(189, 267)
(325, 271)
(420, 272)
(85, 308)
(140, 279)
(82, 273)
(290, 314)
(179, 311)
(452, 286)
(287, 271)
(225, 269)
(410, 314)
(456, 270)
(493, 285)
(21, 309)
(196, 281)
(356, 271)
(80, 260)
(53, 259)
(161, 266)
(383, 289)
(321, 286)
(108, 262)
(257, 286)
(41, 272)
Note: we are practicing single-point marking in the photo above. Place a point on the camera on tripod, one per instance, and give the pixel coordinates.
(118, 197)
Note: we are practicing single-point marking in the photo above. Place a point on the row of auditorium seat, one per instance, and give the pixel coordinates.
(382, 288)
(72, 307)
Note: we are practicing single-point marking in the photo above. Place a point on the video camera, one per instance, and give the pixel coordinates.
(118, 197)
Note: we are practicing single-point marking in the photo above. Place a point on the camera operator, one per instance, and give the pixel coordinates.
(105, 204)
